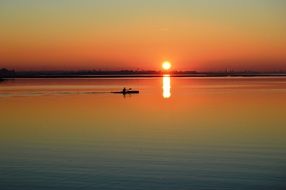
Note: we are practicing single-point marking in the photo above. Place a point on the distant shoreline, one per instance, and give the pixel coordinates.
(11, 74)
(142, 76)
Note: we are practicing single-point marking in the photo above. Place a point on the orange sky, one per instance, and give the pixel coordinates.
(111, 34)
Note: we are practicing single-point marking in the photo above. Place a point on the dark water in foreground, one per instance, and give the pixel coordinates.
(179, 133)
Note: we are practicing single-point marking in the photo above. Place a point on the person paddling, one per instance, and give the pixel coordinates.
(124, 90)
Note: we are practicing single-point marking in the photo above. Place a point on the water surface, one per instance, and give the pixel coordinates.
(178, 133)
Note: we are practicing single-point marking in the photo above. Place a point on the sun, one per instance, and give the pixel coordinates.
(166, 65)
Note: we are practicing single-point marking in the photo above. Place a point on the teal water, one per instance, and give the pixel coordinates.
(178, 133)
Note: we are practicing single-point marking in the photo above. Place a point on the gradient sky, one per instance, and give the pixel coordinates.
(131, 34)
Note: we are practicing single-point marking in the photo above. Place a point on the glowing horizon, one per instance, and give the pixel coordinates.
(95, 34)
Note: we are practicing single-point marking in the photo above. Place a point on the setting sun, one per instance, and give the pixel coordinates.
(166, 65)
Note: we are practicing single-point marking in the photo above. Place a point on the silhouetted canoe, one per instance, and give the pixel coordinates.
(127, 92)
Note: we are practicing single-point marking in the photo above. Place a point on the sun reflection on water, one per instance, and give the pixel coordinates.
(166, 86)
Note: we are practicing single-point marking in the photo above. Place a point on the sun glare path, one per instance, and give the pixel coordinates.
(166, 86)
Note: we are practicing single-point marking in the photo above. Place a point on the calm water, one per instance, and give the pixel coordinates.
(179, 133)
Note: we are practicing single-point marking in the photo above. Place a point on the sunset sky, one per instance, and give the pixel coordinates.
(141, 34)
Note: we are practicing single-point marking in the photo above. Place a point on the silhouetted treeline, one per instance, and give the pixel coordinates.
(85, 73)
(5, 73)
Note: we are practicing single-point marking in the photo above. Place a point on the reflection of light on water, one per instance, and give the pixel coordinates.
(166, 86)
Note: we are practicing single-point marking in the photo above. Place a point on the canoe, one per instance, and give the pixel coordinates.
(127, 92)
